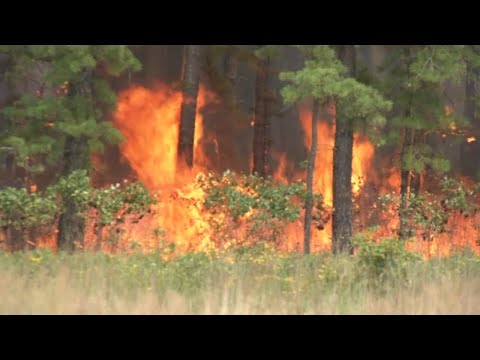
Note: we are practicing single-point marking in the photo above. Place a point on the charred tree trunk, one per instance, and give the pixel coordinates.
(76, 156)
(342, 217)
(310, 170)
(7, 154)
(407, 185)
(15, 239)
(231, 73)
(403, 232)
(469, 151)
(261, 127)
(71, 227)
(191, 79)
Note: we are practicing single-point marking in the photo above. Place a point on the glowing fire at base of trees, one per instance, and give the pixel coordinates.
(149, 121)
(71, 109)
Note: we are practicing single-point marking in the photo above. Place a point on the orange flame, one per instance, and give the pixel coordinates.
(149, 121)
(363, 152)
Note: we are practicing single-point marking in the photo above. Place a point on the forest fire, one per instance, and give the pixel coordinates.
(363, 152)
(182, 178)
(149, 121)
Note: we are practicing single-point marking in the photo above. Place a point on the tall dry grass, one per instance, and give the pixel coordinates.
(94, 291)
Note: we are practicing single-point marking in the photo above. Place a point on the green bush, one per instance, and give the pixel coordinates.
(261, 205)
(27, 211)
(385, 259)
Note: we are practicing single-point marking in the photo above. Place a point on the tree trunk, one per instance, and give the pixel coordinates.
(342, 217)
(310, 170)
(99, 228)
(76, 156)
(470, 160)
(71, 227)
(7, 154)
(15, 239)
(405, 185)
(191, 79)
(231, 73)
(261, 126)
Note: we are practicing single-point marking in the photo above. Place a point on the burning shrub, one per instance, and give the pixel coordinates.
(22, 212)
(427, 214)
(112, 204)
(255, 208)
(115, 203)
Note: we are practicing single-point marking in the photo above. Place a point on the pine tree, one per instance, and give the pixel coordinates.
(472, 92)
(415, 76)
(325, 79)
(65, 123)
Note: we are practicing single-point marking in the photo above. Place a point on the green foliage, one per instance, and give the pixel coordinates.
(112, 203)
(436, 63)
(75, 187)
(267, 51)
(458, 197)
(108, 202)
(137, 198)
(72, 94)
(385, 259)
(323, 77)
(256, 281)
(23, 210)
(417, 157)
(415, 77)
(265, 206)
(428, 213)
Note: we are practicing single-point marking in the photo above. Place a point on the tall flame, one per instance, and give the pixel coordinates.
(149, 121)
(363, 152)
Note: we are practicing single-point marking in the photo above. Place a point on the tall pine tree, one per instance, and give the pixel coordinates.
(415, 75)
(65, 125)
(325, 79)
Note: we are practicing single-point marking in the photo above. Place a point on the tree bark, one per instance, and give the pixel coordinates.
(7, 154)
(342, 217)
(191, 79)
(15, 239)
(403, 232)
(231, 73)
(76, 156)
(310, 170)
(261, 126)
(71, 227)
(407, 185)
(469, 150)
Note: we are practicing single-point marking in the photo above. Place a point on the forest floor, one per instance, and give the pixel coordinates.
(249, 281)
